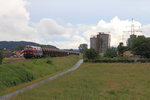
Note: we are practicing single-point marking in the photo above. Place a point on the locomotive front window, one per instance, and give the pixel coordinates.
(28, 48)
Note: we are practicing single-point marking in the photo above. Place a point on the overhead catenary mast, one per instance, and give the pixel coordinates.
(132, 32)
(132, 27)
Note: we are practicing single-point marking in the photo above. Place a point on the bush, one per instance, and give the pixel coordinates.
(90, 54)
(1, 56)
(49, 62)
(143, 60)
(111, 60)
(141, 46)
(111, 52)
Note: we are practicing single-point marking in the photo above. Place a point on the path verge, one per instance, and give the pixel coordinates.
(7, 96)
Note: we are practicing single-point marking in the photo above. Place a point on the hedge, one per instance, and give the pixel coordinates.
(116, 60)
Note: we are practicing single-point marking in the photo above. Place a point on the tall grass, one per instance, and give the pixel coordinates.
(96, 81)
(25, 71)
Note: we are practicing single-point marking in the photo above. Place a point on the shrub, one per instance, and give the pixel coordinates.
(49, 62)
(111, 52)
(111, 60)
(143, 60)
(90, 54)
(141, 46)
(1, 56)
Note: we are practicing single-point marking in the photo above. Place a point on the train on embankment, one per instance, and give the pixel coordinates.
(38, 52)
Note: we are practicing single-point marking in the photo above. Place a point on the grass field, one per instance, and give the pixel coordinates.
(12, 60)
(14, 74)
(100, 81)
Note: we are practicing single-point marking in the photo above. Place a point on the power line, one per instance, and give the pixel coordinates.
(132, 28)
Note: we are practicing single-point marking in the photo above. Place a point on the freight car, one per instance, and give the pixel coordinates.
(37, 52)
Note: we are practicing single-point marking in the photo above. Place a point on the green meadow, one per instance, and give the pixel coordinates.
(19, 74)
(96, 81)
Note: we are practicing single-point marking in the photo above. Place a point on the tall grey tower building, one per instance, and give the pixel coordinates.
(100, 42)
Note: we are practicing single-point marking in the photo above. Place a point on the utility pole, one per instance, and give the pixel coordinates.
(132, 32)
(132, 28)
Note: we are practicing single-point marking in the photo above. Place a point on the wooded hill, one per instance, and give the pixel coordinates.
(11, 45)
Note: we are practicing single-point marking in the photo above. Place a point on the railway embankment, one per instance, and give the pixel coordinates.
(20, 74)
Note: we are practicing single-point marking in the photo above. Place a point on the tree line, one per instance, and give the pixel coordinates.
(140, 46)
(1, 56)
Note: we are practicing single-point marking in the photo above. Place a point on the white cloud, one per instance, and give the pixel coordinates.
(115, 28)
(73, 42)
(14, 20)
(51, 27)
(15, 24)
(146, 30)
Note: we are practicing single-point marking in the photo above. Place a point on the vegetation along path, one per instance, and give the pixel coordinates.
(41, 82)
(96, 81)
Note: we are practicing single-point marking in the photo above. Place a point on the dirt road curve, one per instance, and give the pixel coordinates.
(7, 96)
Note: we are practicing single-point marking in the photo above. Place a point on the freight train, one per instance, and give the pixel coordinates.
(38, 52)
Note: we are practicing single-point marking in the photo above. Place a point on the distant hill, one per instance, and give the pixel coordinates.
(77, 50)
(10, 45)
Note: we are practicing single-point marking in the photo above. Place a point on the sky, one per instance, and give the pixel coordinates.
(68, 23)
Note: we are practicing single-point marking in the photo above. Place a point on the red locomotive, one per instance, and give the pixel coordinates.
(32, 51)
(36, 52)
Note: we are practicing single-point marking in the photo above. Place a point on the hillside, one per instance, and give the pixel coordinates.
(9, 45)
(29, 70)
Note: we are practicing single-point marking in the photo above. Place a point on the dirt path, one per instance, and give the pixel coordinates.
(7, 96)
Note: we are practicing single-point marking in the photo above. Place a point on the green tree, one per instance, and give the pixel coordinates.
(1, 56)
(82, 48)
(120, 49)
(111, 52)
(19, 48)
(141, 46)
(91, 54)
